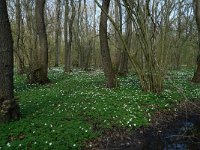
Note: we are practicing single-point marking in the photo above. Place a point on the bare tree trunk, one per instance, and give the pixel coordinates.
(94, 57)
(39, 74)
(118, 21)
(31, 31)
(123, 68)
(196, 77)
(58, 32)
(83, 48)
(68, 34)
(105, 52)
(176, 59)
(18, 51)
(42, 39)
(88, 45)
(9, 109)
(77, 35)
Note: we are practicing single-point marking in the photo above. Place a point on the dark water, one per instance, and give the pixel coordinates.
(182, 134)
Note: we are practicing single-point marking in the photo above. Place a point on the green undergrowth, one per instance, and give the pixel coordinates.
(75, 108)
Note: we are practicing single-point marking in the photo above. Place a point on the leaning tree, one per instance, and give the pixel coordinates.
(9, 109)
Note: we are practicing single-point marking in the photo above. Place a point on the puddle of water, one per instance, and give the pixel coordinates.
(180, 135)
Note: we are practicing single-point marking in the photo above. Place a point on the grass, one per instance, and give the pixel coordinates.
(63, 114)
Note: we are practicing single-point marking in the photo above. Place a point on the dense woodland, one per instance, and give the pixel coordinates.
(148, 37)
(143, 43)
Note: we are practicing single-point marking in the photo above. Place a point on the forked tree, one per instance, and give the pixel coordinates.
(9, 109)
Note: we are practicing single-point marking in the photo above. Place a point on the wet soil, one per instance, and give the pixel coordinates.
(169, 130)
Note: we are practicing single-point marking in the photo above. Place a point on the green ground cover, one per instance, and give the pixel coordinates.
(62, 115)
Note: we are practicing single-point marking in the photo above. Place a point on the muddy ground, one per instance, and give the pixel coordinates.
(174, 129)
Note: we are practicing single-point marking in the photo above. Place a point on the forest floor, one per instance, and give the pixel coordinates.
(76, 111)
(168, 130)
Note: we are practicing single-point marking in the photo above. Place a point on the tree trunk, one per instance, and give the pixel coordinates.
(118, 44)
(123, 67)
(9, 109)
(18, 51)
(196, 77)
(87, 41)
(94, 57)
(105, 52)
(68, 34)
(58, 32)
(39, 73)
(30, 30)
(77, 34)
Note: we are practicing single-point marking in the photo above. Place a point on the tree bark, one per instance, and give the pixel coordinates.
(30, 30)
(196, 77)
(87, 41)
(9, 109)
(18, 51)
(105, 52)
(118, 44)
(94, 57)
(68, 34)
(123, 67)
(39, 73)
(77, 34)
(58, 32)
